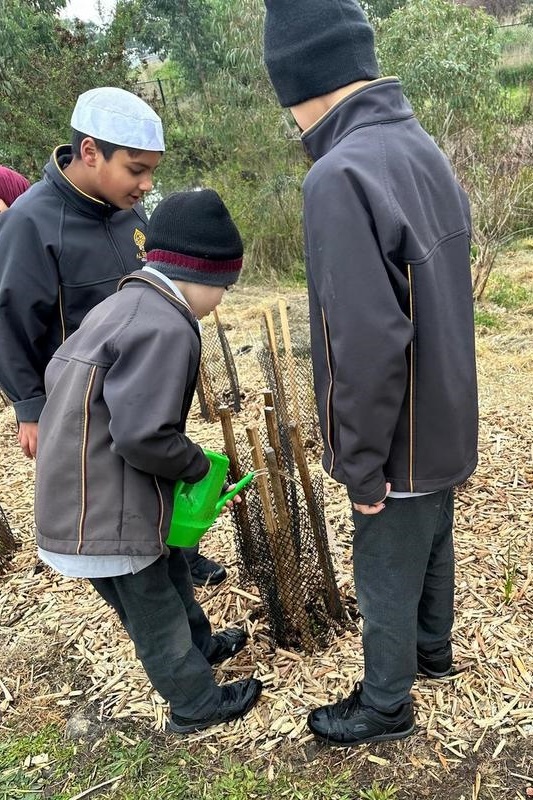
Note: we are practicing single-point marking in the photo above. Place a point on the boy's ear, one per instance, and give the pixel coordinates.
(89, 152)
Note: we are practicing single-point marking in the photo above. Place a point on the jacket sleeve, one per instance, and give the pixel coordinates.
(29, 291)
(360, 334)
(144, 390)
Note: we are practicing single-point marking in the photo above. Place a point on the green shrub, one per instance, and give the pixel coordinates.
(445, 55)
(507, 294)
(485, 320)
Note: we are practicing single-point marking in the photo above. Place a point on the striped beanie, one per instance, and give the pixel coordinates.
(192, 237)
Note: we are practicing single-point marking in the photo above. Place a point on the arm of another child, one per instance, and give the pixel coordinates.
(29, 291)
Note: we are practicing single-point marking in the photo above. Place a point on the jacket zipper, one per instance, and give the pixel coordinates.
(329, 413)
(62, 315)
(85, 436)
(160, 521)
(411, 382)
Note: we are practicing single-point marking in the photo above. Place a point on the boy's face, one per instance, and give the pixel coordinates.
(124, 179)
(202, 299)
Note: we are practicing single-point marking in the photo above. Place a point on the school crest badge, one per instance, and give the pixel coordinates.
(140, 239)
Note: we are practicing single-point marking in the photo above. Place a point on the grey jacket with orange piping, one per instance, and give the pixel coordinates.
(112, 439)
(387, 237)
(61, 253)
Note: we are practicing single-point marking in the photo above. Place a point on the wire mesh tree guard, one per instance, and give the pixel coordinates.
(8, 543)
(287, 370)
(281, 537)
(218, 382)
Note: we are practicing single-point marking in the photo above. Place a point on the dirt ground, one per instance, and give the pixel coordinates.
(63, 652)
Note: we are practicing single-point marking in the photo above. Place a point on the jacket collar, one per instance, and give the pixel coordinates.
(140, 276)
(380, 101)
(84, 203)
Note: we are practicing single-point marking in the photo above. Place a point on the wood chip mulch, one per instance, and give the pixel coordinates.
(63, 649)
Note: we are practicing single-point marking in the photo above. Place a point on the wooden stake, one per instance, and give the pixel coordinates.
(275, 443)
(241, 509)
(332, 599)
(231, 370)
(288, 563)
(229, 441)
(278, 377)
(262, 480)
(206, 395)
(273, 434)
(272, 532)
(271, 331)
(280, 503)
(289, 358)
(204, 408)
(268, 398)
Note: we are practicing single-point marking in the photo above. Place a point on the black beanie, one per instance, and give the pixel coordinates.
(191, 237)
(313, 47)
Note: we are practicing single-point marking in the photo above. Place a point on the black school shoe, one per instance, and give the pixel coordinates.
(205, 571)
(226, 644)
(437, 663)
(348, 722)
(237, 699)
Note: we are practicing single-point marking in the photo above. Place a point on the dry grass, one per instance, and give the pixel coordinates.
(63, 648)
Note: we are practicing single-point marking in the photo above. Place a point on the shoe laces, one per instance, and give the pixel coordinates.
(231, 692)
(351, 704)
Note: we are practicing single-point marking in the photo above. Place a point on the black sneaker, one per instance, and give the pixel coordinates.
(226, 644)
(348, 722)
(205, 571)
(437, 663)
(237, 699)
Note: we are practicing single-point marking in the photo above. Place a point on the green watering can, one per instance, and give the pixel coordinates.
(197, 505)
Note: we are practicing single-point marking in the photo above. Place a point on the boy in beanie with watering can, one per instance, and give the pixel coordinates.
(68, 242)
(387, 246)
(118, 394)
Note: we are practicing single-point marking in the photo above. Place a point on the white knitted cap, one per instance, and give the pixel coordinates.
(119, 117)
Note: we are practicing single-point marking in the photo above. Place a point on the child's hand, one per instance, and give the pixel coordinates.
(229, 503)
(375, 508)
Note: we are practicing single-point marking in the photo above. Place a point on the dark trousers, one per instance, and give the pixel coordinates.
(191, 554)
(404, 578)
(171, 633)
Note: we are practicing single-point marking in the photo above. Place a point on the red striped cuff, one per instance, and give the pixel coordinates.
(194, 262)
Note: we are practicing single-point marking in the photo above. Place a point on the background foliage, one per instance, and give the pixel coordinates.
(44, 66)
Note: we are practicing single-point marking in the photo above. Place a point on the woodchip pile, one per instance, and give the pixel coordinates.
(63, 649)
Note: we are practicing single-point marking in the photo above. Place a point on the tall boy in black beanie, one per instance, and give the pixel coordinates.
(387, 243)
(118, 394)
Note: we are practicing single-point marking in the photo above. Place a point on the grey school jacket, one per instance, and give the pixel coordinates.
(112, 439)
(387, 232)
(61, 253)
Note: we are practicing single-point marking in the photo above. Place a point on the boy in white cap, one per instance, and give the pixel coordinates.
(118, 394)
(68, 241)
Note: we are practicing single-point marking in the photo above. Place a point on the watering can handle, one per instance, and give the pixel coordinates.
(221, 502)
